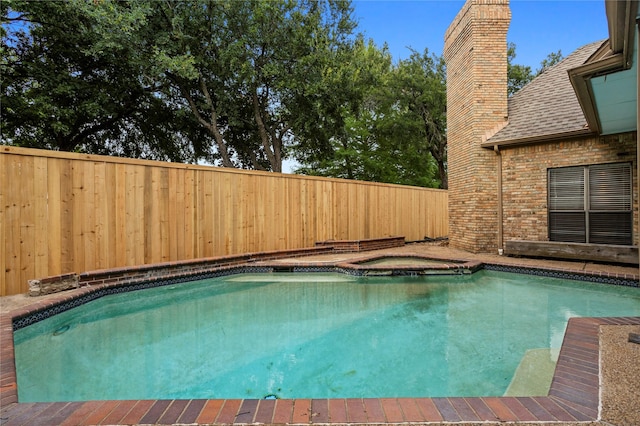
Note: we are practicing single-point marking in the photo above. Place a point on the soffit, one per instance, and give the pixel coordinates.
(615, 98)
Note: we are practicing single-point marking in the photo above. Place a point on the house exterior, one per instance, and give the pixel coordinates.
(553, 170)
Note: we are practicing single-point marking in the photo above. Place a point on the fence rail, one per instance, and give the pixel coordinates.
(65, 212)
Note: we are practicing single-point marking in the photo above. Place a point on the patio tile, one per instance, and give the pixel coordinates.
(301, 411)
(448, 411)
(355, 410)
(210, 411)
(229, 410)
(137, 412)
(174, 411)
(556, 411)
(265, 411)
(375, 413)
(579, 412)
(81, 412)
(15, 411)
(429, 410)
(392, 410)
(410, 410)
(518, 409)
(283, 411)
(98, 415)
(536, 409)
(155, 412)
(118, 413)
(577, 396)
(247, 411)
(464, 410)
(482, 410)
(338, 411)
(500, 409)
(320, 410)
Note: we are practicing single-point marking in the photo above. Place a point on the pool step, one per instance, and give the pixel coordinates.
(534, 374)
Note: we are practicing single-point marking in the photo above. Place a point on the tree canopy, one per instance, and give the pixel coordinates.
(242, 83)
(393, 124)
(223, 81)
(58, 94)
(519, 76)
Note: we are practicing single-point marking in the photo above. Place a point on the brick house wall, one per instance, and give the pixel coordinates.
(476, 55)
(524, 178)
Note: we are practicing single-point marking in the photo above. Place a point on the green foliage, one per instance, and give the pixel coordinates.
(241, 83)
(59, 93)
(393, 120)
(519, 76)
(420, 88)
(241, 68)
(551, 59)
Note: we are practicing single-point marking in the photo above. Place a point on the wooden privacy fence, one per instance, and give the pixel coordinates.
(64, 212)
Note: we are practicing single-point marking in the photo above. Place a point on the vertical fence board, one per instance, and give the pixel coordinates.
(120, 214)
(27, 218)
(76, 204)
(225, 218)
(89, 214)
(11, 221)
(100, 214)
(175, 193)
(187, 250)
(65, 183)
(63, 212)
(41, 218)
(139, 216)
(207, 218)
(130, 224)
(111, 230)
(3, 222)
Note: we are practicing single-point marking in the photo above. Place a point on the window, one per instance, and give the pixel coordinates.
(591, 204)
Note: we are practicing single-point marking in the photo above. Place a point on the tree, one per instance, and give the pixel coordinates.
(241, 68)
(519, 76)
(343, 130)
(57, 95)
(224, 81)
(392, 120)
(420, 84)
(551, 59)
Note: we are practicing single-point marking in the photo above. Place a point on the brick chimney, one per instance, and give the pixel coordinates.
(475, 51)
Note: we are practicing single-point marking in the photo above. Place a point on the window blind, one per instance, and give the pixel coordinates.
(591, 204)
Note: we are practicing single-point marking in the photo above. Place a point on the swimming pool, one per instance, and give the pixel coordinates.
(306, 336)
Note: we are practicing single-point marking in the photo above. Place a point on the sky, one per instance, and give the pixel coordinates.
(537, 27)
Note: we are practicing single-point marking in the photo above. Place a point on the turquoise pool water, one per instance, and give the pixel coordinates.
(306, 336)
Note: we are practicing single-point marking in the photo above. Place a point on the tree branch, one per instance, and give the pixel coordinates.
(276, 166)
(212, 127)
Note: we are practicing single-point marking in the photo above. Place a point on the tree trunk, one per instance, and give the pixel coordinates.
(212, 125)
(269, 146)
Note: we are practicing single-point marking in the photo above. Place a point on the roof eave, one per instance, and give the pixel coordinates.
(580, 78)
(621, 16)
(532, 140)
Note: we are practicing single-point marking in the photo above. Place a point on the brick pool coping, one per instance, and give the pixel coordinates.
(574, 395)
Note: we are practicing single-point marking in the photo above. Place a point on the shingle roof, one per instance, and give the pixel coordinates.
(547, 106)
